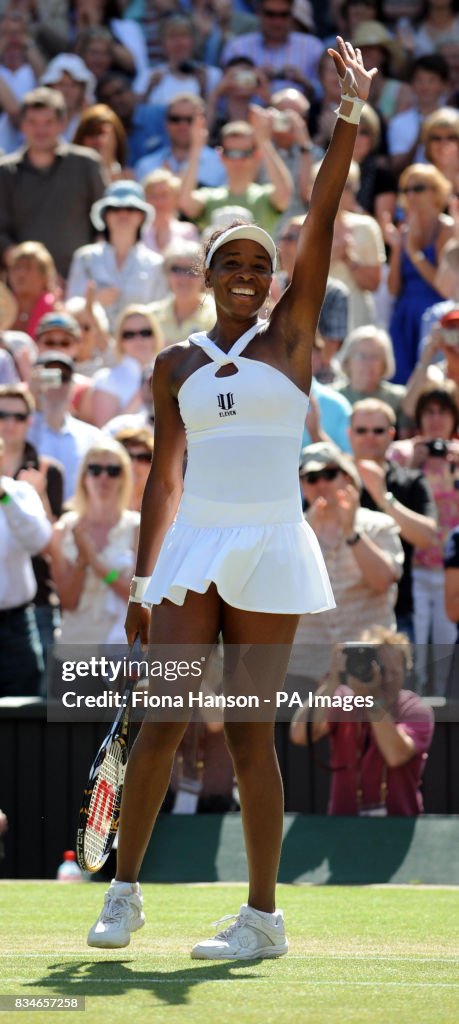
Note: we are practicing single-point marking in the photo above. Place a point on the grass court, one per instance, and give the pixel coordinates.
(358, 955)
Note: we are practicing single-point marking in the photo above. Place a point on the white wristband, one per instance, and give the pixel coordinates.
(138, 587)
(350, 109)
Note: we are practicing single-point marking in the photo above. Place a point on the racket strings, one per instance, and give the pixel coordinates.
(104, 804)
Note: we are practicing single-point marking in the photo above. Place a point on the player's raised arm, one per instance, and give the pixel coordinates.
(302, 301)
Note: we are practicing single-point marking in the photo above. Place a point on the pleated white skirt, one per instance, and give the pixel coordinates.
(273, 567)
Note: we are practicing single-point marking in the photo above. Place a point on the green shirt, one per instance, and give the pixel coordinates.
(257, 199)
(392, 394)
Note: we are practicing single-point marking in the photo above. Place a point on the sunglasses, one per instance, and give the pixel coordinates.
(140, 456)
(177, 269)
(370, 430)
(329, 473)
(268, 13)
(180, 118)
(18, 417)
(95, 469)
(443, 138)
(417, 189)
(143, 332)
(123, 209)
(238, 154)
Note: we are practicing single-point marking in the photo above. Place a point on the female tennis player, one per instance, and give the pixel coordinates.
(238, 558)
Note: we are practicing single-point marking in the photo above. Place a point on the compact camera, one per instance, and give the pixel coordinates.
(246, 79)
(437, 448)
(359, 660)
(281, 121)
(49, 377)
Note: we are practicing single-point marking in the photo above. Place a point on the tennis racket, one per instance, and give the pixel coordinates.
(100, 806)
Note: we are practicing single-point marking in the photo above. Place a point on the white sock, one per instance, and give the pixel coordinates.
(263, 913)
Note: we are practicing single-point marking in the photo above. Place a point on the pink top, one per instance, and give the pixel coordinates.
(353, 739)
(45, 304)
(440, 476)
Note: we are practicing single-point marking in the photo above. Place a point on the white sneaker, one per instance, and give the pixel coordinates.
(253, 935)
(121, 914)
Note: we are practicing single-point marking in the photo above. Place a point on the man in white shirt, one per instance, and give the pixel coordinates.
(54, 431)
(24, 531)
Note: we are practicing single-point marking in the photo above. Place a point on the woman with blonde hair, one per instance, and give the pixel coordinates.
(161, 191)
(415, 245)
(32, 277)
(440, 137)
(138, 339)
(93, 548)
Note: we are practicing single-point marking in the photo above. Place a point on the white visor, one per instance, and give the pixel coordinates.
(245, 231)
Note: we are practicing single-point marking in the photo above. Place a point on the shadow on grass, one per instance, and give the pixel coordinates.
(113, 978)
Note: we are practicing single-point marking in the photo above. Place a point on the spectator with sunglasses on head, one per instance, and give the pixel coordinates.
(402, 493)
(138, 442)
(93, 548)
(138, 340)
(243, 147)
(188, 307)
(362, 552)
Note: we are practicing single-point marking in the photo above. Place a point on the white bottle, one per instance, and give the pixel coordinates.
(69, 871)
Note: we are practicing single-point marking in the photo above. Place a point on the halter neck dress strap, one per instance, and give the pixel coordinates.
(216, 354)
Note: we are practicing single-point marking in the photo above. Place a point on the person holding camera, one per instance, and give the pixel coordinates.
(378, 753)
(54, 431)
(435, 451)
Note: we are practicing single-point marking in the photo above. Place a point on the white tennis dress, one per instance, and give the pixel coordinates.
(240, 523)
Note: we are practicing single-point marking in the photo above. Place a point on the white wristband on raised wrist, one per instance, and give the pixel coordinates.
(350, 109)
(138, 587)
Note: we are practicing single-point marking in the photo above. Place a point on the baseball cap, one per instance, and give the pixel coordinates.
(252, 233)
(315, 457)
(61, 358)
(58, 321)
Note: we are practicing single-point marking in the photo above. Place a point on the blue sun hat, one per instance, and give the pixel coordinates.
(123, 194)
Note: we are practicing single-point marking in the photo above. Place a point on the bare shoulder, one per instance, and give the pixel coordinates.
(170, 359)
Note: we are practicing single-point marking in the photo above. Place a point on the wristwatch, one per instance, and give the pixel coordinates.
(353, 539)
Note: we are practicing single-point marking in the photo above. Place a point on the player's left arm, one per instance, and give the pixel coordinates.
(295, 316)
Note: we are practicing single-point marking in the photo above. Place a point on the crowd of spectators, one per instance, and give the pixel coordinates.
(129, 131)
